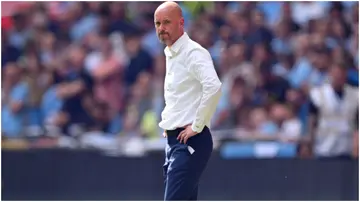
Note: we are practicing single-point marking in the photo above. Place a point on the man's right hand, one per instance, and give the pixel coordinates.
(164, 134)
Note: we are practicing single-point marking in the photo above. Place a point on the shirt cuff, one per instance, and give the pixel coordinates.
(197, 127)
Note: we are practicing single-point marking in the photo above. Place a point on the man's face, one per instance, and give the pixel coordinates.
(168, 25)
(338, 76)
(76, 56)
(12, 73)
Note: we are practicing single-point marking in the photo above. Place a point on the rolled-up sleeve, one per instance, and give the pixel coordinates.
(202, 68)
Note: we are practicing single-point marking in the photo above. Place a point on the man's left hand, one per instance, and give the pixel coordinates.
(186, 134)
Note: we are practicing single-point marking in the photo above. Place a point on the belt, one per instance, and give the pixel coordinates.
(174, 132)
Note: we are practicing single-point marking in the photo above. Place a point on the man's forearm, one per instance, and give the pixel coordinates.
(207, 106)
(356, 144)
(311, 130)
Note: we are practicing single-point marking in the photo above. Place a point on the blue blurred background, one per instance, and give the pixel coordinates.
(89, 75)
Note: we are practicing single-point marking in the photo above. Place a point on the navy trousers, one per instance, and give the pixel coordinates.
(184, 164)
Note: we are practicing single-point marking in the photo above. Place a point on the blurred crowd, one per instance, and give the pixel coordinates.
(96, 69)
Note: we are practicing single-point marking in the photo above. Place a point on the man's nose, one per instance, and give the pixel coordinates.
(162, 28)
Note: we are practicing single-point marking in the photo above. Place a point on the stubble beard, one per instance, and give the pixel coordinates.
(162, 40)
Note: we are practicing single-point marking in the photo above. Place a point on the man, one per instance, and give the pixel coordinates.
(192, 91)
(75, 89)
(15, 98)
(333, 112)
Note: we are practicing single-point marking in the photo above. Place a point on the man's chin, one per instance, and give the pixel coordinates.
(163, 41)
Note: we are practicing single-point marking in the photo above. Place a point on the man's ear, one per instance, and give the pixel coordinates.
(182, 22)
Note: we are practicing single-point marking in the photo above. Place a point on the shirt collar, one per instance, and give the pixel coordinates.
(171, 51)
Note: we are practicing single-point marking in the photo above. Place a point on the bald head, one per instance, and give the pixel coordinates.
(171, 7)
(169, 22)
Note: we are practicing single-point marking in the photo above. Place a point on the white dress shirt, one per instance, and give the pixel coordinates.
(192, 88)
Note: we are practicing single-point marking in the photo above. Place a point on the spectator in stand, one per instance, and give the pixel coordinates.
(139, 59)
(15, 94)
(9, 53)
(19, 33)
(333, 110)
(38, 80)
(106, 68)
(76, 90)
